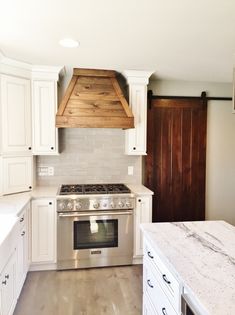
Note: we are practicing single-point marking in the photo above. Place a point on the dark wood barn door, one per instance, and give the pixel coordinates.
(176, 160)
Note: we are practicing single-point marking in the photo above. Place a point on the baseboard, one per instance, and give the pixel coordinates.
(137, 260)
(41, 267)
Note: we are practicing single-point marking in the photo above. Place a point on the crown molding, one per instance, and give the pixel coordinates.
(29, 71)
(47, 72)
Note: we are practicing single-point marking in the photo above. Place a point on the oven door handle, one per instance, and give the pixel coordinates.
(98, 213)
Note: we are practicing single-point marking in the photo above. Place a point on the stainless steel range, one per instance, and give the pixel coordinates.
(94, 226)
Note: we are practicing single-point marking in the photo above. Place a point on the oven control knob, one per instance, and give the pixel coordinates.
(112, 205)
(128, 204)
(61, 205)
(96, 205)
(78, 206)
(70, 205)
(121, 204)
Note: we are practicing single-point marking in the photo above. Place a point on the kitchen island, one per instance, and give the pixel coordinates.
(200, 258)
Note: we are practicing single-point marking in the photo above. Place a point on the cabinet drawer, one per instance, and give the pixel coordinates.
(167, 281)
(155, 293)
(22, 218)
(148, 309)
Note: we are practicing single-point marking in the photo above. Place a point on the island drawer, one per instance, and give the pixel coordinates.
(165, 278)
(154, 291)
(148, 308)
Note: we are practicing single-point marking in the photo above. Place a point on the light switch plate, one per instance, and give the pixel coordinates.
(130, 170)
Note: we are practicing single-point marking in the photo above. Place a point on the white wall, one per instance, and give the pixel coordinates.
(220, 171)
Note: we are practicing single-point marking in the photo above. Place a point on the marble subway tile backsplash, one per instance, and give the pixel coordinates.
(90, 156)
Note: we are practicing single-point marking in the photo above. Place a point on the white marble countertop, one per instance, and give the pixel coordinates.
(13, 204)
(202, 257)
(7, 222)
(139, 189)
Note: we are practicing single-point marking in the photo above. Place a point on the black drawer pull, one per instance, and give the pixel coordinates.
(149, 254)
(30, 187)
(23, 233)
(7, 276)
(134, 148)
(149, 284)
(4, 282)
(164, 312)
(50, 203)
(52, 148)
(165, 279)
(22, 219)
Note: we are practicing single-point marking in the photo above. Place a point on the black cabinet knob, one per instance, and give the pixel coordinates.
(30, 187)
(134, 148)
(23, 233)
(139, 200)
(7, 276)
(30, 148)
(52, 148)
(4, 282)
(50, 203)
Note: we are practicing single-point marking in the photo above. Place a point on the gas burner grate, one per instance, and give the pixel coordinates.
(89, 189)
(117, 189)
(71, 189)
(95, 189)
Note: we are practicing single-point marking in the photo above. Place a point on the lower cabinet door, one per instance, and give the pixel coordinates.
(143, 214)
(8, 287)
(43, 231)
(17, 174)
(153, 289)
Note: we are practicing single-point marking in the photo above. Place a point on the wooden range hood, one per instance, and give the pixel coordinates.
(94, 99)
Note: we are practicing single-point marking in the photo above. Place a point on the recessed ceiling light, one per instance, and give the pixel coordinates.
(69, 43)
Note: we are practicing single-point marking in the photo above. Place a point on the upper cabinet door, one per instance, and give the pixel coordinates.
(135, 143)
(17, 174)
(136, 138)
(16, 115)
(45, 134)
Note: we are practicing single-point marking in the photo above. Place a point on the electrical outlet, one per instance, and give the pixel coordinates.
(130, 170)
(50, 171)
(42, 171)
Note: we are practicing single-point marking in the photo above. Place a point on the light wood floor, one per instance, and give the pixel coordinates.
(109, 291)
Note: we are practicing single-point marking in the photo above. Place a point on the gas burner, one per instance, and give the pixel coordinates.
(71, 189)
(117, 189)
(94, 189)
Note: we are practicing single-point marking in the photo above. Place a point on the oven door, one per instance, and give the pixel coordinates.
(94, 239)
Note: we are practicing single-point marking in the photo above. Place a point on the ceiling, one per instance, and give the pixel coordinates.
(177, 39)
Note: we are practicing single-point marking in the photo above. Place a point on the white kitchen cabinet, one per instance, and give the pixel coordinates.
(17, 174)
(143, 214)
(148, 309)
(135, 139)
(45, 134)
(158, 281)
(43, 231)
(7, 289)
(15, 115)
(22, 265)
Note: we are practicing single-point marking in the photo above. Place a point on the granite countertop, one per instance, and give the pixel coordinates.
(202, 257)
